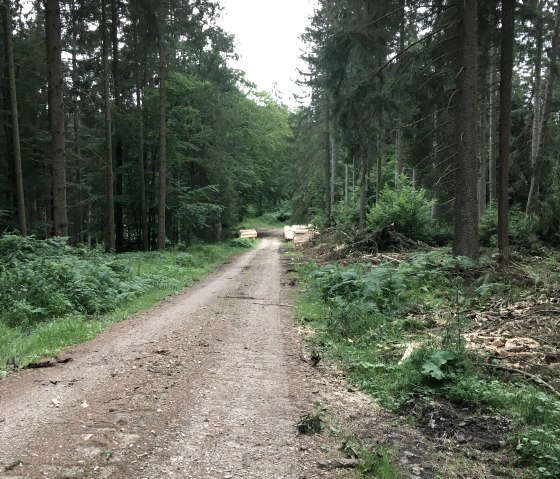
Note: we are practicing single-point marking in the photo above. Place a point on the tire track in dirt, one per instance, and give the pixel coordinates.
(26, 398)
(208, 384)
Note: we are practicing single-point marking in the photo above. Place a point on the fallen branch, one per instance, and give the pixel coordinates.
(533, 377)
(339, 464)
(280, 305)
(398, 261)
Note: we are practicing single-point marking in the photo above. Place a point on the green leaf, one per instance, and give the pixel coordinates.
(432, 370)
(442, 357)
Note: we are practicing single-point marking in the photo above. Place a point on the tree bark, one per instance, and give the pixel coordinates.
(399, 157)
(328, 175)
(378, 171)
(56, 116)
(8, 45)
(363, 192)
(119, 225)
(465, 236)
(483, 163)
(162, 126)
(108, 131)
(533, 197)
(537, 86)
(79, 210)
(492, 183)
(140, 123)
(506, 74)
(334, 161)
(435, 147)
(346, 184)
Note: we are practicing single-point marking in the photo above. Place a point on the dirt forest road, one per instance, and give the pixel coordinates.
(208, 384)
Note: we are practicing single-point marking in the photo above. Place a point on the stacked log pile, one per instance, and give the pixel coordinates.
(288, 233)
(299, 234)
(247, 233)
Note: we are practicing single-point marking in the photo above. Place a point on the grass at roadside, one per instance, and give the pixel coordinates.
(55, 296)
(398, 331)
(267, 220)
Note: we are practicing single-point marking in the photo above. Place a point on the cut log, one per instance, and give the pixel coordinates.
(247, 233)
(288, 233)
(303, 234)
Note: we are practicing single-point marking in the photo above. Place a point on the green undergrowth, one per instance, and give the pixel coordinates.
(379, 463)
(365, 318)
(274, 219)
(53, 295)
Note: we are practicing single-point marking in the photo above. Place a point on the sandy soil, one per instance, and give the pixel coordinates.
(210, 383)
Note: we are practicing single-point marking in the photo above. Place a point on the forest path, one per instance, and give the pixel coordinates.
(207, 384)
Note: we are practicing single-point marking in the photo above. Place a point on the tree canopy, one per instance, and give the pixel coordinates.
(145, 128)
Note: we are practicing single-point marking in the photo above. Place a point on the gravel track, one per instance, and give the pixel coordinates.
(207, 384)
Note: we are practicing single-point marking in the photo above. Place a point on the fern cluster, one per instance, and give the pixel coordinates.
(409, 211)
(40, 280)
(362, 296)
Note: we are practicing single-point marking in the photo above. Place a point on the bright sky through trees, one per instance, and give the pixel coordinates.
(268, 41)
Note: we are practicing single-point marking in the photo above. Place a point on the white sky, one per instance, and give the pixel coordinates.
(267, 41)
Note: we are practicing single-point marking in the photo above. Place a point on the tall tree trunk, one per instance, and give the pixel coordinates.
(119, 226)
(20, 197)
(328, 175)
(346, 184)
(482, 133)
(378, 171)
(79, 209)
(10, 197)
(334, 161)
(533, 198)
(537, 86)
(465, 235)
(363, 191)
(399, 157)
(435, 146)
(152, 219)
(108, 131)
(506, 74)
(492, 183)
(482, 162)
(162, 126)
(140, 123)
(56, 116)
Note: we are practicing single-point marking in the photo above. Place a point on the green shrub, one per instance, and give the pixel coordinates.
(384, 288)
(317, 218)
(242, 243)
(540, 447)
(522, 228)
(547, 220)
(407, 209)
(365, 317)
(346, 215)
(185, 260)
